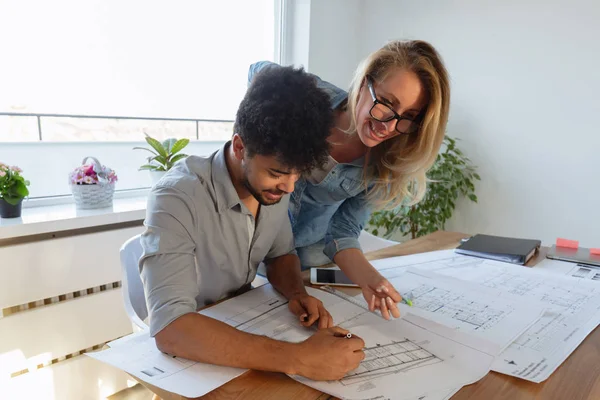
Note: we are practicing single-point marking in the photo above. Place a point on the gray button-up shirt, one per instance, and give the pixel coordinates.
(197, 248)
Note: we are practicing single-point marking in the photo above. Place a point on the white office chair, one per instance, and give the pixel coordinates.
(370, 242)
(133, 289)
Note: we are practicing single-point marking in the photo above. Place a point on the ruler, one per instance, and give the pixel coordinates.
(357, 302)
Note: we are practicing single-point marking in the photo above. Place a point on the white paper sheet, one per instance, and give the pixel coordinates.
(261, 311)
(574, 270)
(137, 354)
(428, 349)
(440, 395)
(465, 306)
(573, 308)
(405, 360)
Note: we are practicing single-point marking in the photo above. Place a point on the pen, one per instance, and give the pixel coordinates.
(341, 335)
(407, 301)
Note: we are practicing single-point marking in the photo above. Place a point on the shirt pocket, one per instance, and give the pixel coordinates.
(352, 187)
(339, 191)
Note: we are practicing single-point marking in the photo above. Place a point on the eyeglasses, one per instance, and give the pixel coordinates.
(383, 113)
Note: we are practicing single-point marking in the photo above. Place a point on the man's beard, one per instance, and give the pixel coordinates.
(258, 195)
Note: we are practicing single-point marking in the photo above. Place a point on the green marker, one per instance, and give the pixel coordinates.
(407, 301)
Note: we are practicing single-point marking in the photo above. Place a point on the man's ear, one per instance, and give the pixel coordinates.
(237, 144)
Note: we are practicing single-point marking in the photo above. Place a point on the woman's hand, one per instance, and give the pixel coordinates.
(378, 292)
(381, 295)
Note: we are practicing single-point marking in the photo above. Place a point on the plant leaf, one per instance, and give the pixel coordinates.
(161, 160)
(20, 189)
(178, 157)
(145, 148)
(12, 200)
(156, 145)
(149, 167)
(451, 177)
(179, 145)
(168, 145)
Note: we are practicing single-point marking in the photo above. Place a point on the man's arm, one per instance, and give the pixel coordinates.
(326, 355)
(170, 283)
(284, 273)
(201, 338)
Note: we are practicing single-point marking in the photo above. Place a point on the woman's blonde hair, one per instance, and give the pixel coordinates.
(396, 167)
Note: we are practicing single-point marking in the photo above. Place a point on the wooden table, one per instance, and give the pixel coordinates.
(577, 378)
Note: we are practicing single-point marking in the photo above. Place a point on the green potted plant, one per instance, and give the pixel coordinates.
(451, 176)
(13, 189)
(164, 155)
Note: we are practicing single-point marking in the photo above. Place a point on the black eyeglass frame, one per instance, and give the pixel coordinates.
(415, 123)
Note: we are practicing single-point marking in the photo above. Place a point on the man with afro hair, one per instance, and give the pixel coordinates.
(212, 220)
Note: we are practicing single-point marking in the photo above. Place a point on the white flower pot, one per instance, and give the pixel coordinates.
(155, 176)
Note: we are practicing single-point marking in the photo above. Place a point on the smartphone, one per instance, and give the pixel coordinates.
(330, 276)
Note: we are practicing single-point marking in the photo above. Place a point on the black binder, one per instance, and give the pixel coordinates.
(511, 250)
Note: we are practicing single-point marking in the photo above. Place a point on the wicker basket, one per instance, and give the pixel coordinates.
(99, 195)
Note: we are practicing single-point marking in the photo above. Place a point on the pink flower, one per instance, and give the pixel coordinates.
(88, 180)
(14, 168)
(88, 170)
(3, 166)
(2, 173)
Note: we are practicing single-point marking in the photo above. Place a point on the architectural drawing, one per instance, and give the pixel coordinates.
(465, 306)
(404, 352)
(389, 358)
(478, 315)
(572, 307)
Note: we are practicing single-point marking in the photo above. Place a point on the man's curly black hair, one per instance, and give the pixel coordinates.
(284, 114)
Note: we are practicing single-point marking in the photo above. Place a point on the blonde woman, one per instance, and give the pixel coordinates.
(388, 130)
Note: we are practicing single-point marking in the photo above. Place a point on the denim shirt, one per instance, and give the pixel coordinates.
(329, 215)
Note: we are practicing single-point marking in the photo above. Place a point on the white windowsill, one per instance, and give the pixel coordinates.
(64, 217)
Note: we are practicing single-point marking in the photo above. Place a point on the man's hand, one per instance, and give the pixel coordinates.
(328, 355)
(309, 309)
(381, 295)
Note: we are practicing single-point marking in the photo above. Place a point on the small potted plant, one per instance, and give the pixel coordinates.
(92, 184)
(164, 155)
(13, 189)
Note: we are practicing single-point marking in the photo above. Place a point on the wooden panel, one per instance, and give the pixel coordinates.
(48, 268)
(63, 328)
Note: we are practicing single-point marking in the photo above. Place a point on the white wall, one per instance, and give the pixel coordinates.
(296, 32)
(335, 39)
(525, 103)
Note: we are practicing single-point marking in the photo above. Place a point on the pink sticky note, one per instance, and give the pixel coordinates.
(571, 244)
(595, 252)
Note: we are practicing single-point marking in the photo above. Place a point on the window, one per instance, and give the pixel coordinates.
(90, 78)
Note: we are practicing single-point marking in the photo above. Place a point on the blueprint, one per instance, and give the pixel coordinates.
(406, 352)
(138, 355)
(465, 306)
(402, 356)
(582, 271)
(572, 307)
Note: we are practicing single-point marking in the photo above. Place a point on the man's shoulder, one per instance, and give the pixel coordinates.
(191, 176)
